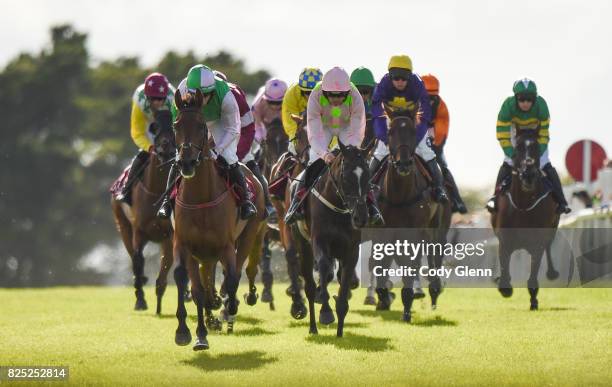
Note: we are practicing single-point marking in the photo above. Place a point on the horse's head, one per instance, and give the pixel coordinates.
(351, 170)
(163, 137)
(191, 132)
(302, 145)
(526, 159)
(276, 140)
(402, 144)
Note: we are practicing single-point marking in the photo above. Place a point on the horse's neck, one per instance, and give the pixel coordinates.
(401, 188)
(155, 177)
(205, 186)
(522, 198)
(327, 186)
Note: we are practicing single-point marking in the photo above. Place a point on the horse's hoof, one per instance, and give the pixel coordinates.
(313, 331)
(182, 338)
(369, 300)
(272, 307)
(214, 324)
(552, 275)
(251, 298)
(506, 292)
(266, 295)
(217, 302)
(534, 305)
(289, 291)
(141, 304)
(381, 305)
(201, 344)
(354, 283)
(407, 316)
(327, 317)
(434, 307)
(298, 310)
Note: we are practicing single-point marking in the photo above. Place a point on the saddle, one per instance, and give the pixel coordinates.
(222, 171)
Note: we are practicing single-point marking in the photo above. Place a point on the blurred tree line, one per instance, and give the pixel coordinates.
(64, 138)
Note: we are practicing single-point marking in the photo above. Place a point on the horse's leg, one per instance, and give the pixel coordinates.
(255, 253)
(298, 308)
(138, 244)
(211, 299)
(408, 295)
(342, 305)
(197, 292)
(267, 278)
(310, 286)
(232, 278)
(326, 267)
(164, 268)
(369, 298)
(435, 285)
(504, 286)
(551, 273)
(384, 299)
(182, 335)
(532, 282)
(125, 229)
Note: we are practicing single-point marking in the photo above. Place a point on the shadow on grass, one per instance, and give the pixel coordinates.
(305, 323)
(254, 331)
(396, 316)
(358, 342)
(555, 309)
(239, 319)
(229, 361)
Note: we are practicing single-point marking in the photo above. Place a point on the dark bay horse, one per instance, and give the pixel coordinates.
(526, 217)
(335, 211)
(272, 149)
(208, 228)
(406, 202)
(138, 223)
(289, 167)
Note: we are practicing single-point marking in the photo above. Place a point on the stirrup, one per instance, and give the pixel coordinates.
(491, 205)
(165, 210)
(247, 210)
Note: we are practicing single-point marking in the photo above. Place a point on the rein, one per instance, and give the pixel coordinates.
(531, 207)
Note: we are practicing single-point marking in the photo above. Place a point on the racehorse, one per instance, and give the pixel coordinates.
(528, 205)
(207, 228)
(335, 210)
(406, 202)
(137, 223)
(285, 170)
(272, 148)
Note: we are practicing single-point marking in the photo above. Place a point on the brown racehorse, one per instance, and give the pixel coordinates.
(137, 223)
(335, 210)
(406, 202)
(272, 148)
(289, 167)
(528, 205)
(208, 227)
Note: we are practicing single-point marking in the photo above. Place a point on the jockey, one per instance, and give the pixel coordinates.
(335, 108)
(525, 110)
(296, 100)
(363, 79)
(156, 93)
(221, 112)
(401, 89)
(266, 108)
(439, 132)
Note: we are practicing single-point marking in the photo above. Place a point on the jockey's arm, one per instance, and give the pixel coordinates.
(423, 114)
(504, 127)
(291, 106)
(318, 137)
(544, 117)
(230, 122)
(356, 131)
(378, 114)
(138, 128)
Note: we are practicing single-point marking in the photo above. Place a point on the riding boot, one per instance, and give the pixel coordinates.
(557, 192)
(166, 207)
(270, 210)
(374, 214)
(437, 180)
(237, 179)
(458, 204)
(504, 172)
(138, 165)
(374, 165)
(313, 171)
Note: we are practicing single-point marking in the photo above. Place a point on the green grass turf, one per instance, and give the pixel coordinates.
(475, 337)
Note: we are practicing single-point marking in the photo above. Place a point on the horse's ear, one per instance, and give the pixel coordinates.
(199, 98)
(342, 147)
(178, 99)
